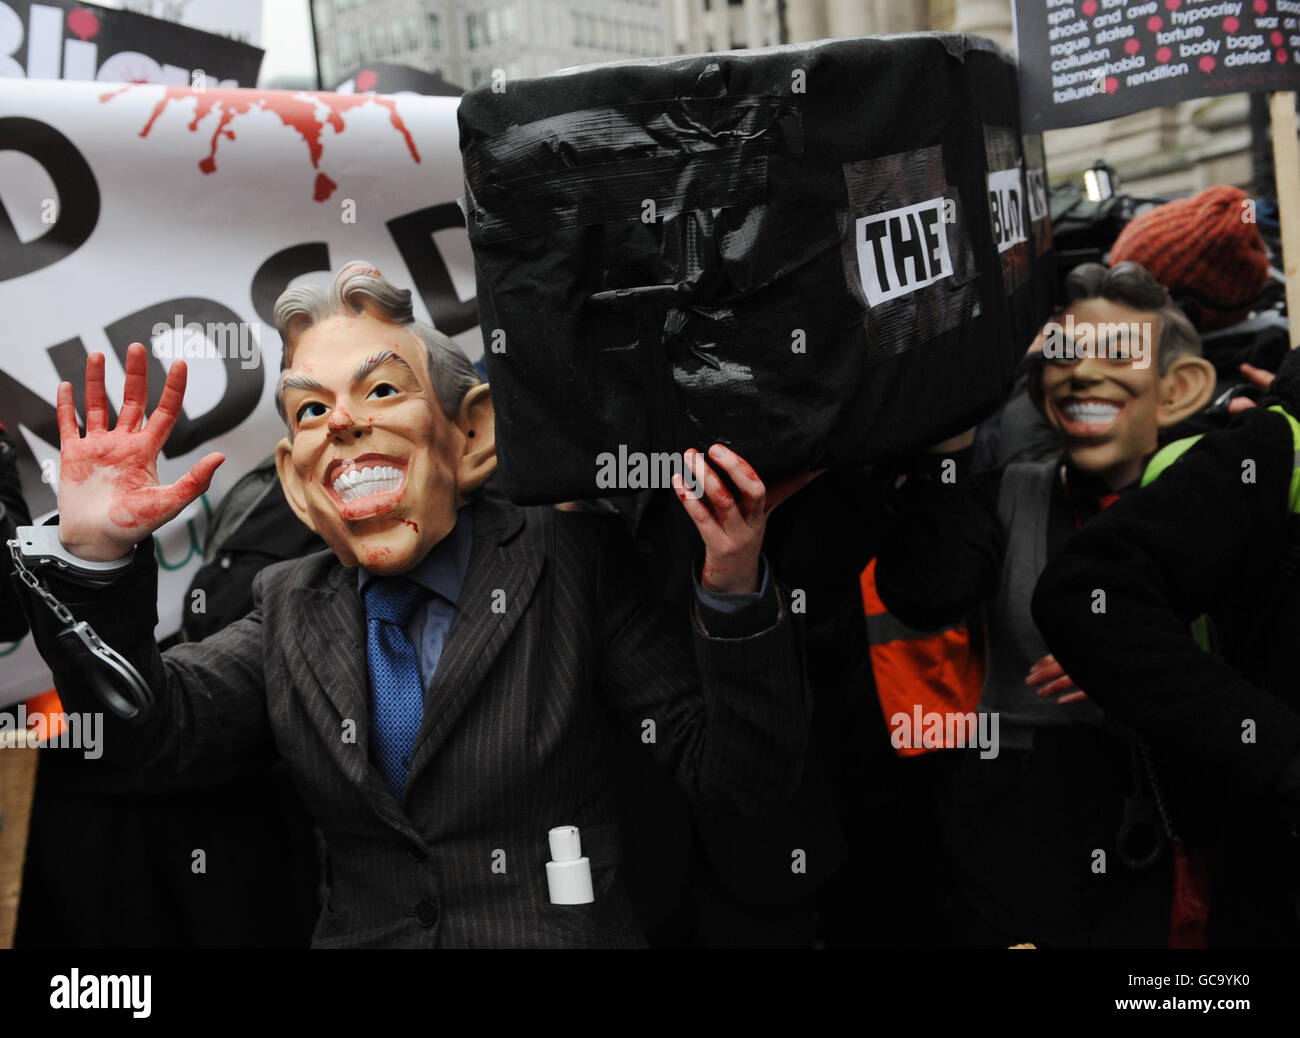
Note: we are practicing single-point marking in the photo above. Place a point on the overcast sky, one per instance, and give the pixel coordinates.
(286, 37)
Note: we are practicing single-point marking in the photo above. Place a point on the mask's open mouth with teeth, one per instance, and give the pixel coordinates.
(369, 480)
(1086, 417)
(372, 479)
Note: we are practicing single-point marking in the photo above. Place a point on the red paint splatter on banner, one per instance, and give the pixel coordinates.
(1276, 38)
(1155, 23)
(1230, 25)
(1112, 84)
(298, 111)
(1206, 64)
(324, 188)
(1132, 46)
(1173, 5)
(83, 23)
(1089, 7)
(1281, 56)
(1164, 54)
(366, 79)
(1261, 6)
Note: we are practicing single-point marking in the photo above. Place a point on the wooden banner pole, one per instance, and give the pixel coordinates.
(18, 758)
(1286, 167)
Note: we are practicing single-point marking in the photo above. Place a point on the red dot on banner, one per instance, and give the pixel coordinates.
(1261, 6)
(1132, 46)
(1173, 5)
(1089, 7)
(83, 23)
(1230, 25)
(1164, 54)
(1281, 56)
(1276, 38)
(1112, 84)
(366, 79)
(1155, 23)
(1206, 64)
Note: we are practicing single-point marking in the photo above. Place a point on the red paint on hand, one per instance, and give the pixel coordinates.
(109, 496)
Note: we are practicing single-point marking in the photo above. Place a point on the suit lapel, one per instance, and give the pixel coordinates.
(330, 641)
(499, 583)
(327, 637)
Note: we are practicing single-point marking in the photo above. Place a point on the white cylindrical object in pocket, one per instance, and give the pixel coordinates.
(569, 875)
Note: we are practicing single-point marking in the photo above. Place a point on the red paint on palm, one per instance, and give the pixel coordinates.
(109, 496)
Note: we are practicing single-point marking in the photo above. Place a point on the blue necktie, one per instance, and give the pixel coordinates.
(397, 696)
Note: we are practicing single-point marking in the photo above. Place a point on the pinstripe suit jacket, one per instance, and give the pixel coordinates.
(557, 649)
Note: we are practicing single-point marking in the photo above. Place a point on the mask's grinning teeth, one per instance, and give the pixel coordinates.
(1090, 413)
(363, 482)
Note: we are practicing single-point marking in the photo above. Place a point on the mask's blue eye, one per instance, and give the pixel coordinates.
(380, 391)
(314, 409)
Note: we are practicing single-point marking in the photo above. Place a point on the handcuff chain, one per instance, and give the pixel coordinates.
(1155, 792)
(33, 581)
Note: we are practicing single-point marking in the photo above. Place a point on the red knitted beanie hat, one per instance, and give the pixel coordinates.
(1206, 248)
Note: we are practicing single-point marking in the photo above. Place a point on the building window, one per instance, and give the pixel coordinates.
(378, 41)
(509, 22)
(493, 25)
(474, 24)
(413, 32)
(396, 35)
(435, 32)
(345, 50)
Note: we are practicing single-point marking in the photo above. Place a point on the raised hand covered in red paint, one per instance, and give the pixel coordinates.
(732, 530)
(109, 497)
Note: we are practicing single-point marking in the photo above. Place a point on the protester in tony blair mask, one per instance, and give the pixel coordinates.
(1118, 364)
(440, 684)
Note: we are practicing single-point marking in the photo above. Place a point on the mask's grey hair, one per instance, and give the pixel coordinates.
(359, 287)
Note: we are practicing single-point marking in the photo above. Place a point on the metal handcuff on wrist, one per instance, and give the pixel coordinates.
(115, 682)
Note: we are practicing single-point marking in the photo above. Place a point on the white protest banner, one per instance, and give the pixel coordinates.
(175, 217)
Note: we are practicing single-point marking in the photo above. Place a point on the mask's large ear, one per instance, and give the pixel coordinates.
(1185, 388)
(477, 420)
(293, 489)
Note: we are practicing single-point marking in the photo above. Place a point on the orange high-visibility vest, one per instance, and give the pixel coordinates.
(937, 671)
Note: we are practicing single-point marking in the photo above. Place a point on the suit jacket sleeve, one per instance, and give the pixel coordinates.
(13, 514)
(730, 717)
(209, 721)
(1163, 556)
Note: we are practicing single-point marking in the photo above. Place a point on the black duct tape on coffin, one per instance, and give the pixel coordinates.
(820, 255)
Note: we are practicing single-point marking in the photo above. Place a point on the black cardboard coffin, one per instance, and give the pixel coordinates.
(818, 254)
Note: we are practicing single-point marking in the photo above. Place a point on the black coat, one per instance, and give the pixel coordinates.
(1207, 537)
